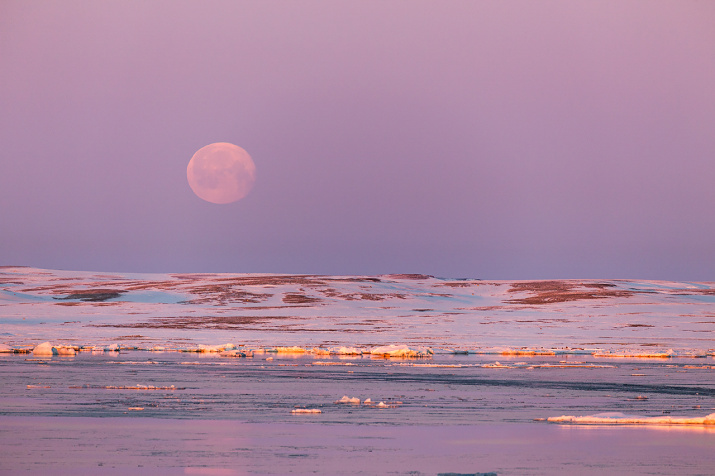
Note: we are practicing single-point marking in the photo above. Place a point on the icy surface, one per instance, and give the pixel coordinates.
(452, 372)
(151, 447)
(355, 314)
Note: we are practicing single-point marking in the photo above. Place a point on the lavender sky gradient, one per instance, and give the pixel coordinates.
(486, 139)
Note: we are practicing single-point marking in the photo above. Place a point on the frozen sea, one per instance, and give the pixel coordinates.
(110, 373)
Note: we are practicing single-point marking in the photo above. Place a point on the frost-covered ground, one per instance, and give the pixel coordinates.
(179, 311)
(399, 374)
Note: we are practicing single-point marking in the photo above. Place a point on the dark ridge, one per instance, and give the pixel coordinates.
(409, 276)
(93, 295)
(549, 292)
(294, 298)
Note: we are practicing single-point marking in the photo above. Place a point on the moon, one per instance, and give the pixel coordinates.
(221, 173)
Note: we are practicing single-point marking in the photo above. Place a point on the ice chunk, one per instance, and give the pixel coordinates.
(638, 355)
(320, 351)
(527, 352)
(623, 419)
(65, 350)
(289, 350)
(215, 348)
(496, 365)
(44, 349)
(236, 353)
(306, 410)
(346, 399)
(333, 350)
(346, 351)
(399, 351)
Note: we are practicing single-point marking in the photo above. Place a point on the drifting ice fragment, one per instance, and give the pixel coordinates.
(65, 350)
(288, 350)
(496, 365)
(638, 355)
(215, 348)
(346, 399)
(345, 351)
(399, 351)
(621, 419)
(335, 351)
(236, 353)
(306, 410)
(44, 349)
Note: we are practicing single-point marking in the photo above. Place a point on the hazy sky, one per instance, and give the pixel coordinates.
(486, 139)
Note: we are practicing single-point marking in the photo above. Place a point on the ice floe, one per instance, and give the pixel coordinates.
(44, 349)
(349, 400)
(287, 350)
(618, 418)
(65, 350)
(236, 353)
(213, 348)
(336, 351)
(306, 410)
(393, 350)
(345, 364)
(637, 355)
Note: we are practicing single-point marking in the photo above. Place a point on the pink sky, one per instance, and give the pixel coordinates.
(492, 139)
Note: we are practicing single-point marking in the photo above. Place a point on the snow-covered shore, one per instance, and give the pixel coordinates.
(608, 318)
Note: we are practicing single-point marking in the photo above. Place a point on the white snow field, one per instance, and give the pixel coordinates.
(362, 314)
(225, 374)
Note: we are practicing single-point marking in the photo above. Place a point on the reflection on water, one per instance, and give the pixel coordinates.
(675, 429)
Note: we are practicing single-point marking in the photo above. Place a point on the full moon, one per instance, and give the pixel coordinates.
(221, 173)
